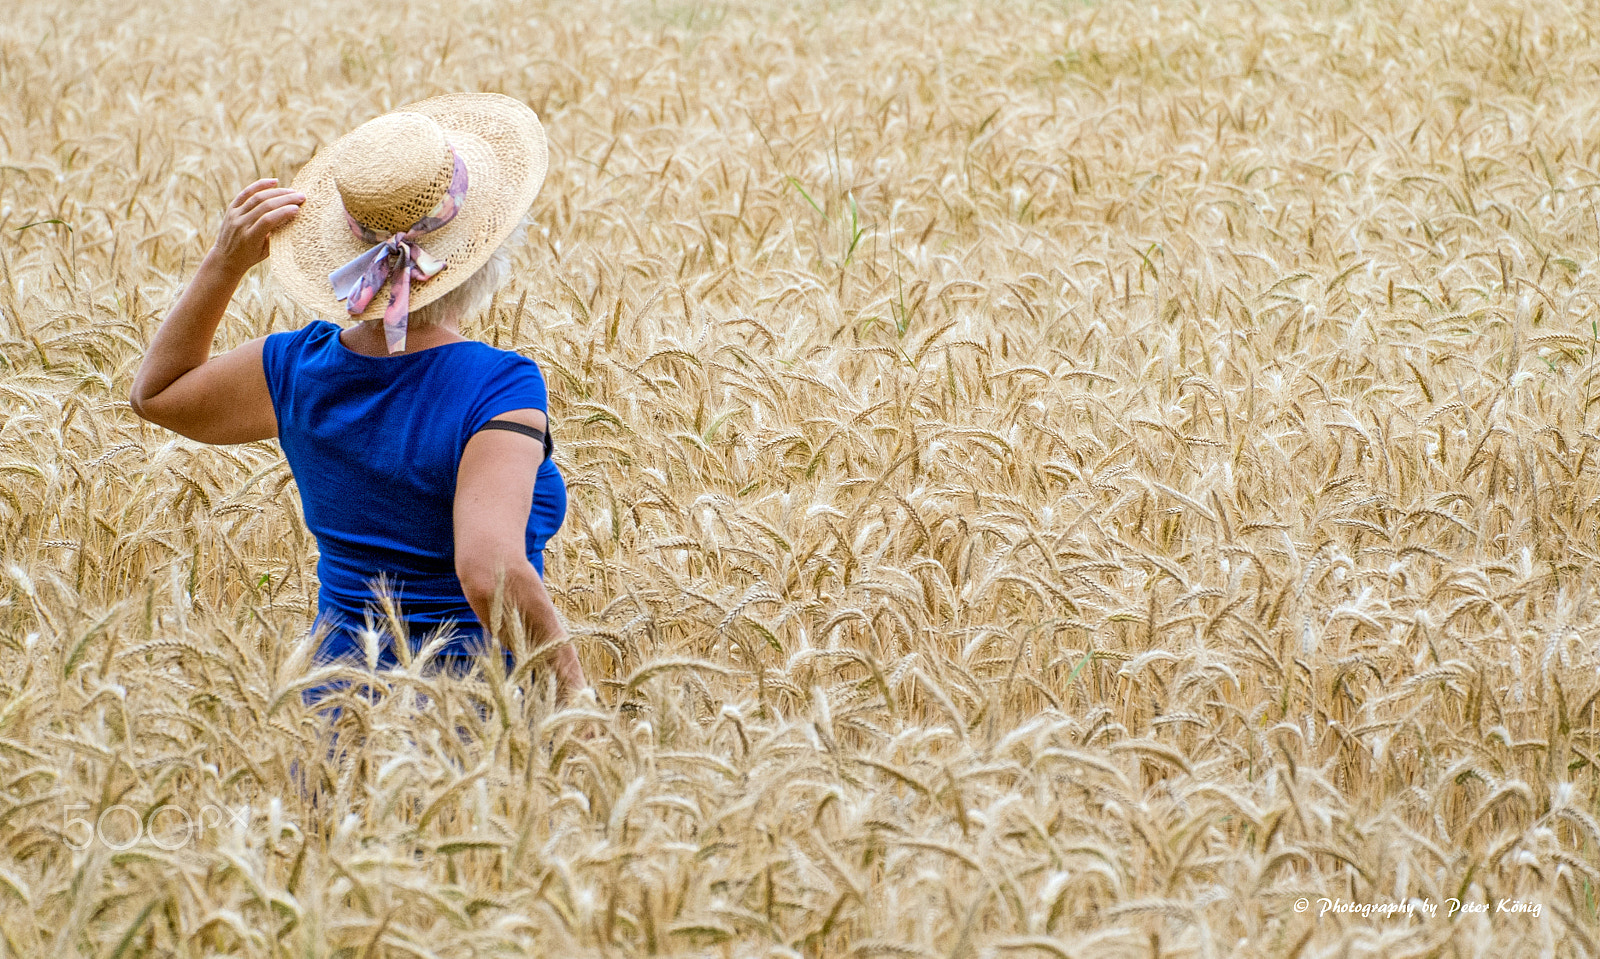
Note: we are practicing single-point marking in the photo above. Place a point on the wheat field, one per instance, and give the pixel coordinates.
(1048, 479)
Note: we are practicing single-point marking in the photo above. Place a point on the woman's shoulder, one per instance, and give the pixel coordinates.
(507, 381)
(316, 328)
(292, 345)
(317, 332)
(500, 360)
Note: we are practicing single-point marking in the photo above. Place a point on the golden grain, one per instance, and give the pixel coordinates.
(1046, 480)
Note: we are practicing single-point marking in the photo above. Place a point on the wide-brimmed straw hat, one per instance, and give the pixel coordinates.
(394, 170)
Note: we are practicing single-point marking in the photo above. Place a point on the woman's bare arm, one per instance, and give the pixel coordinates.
(222, 399)
(494, 492)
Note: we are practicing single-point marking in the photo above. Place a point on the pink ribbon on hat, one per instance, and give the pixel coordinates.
(358, 281)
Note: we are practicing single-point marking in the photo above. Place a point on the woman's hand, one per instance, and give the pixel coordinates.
(180, 385)
(254, 214)
(570, 680)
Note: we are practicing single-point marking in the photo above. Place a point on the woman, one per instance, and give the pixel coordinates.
(421, 456)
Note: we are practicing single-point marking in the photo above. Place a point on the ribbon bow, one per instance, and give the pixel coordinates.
(358, 281)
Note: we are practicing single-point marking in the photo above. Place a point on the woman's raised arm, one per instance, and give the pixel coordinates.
(179, 385)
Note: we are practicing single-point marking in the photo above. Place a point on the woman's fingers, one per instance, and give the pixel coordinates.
(251, 190)
(271, 208)
(266, 196)
(286, 198)
(273, 219)
(255, 213)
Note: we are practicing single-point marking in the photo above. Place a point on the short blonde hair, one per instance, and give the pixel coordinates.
(478, 290)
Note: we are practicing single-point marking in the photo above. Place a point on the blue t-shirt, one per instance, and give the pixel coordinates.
(374, 444)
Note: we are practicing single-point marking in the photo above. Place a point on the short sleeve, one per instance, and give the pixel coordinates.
(514, 383)
(278, 352)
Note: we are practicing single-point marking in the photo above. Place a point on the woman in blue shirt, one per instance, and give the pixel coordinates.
(421, 456)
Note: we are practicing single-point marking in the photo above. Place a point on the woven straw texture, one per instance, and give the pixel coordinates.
(393, 195)
(389, 170)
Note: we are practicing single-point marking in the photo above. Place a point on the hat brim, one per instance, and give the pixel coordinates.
(503, 146)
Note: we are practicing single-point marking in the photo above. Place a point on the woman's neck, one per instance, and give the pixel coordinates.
(367, 337)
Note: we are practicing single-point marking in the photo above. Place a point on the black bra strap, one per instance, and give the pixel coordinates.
(538, 434)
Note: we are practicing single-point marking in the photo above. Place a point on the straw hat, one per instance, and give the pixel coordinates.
(390, 171)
